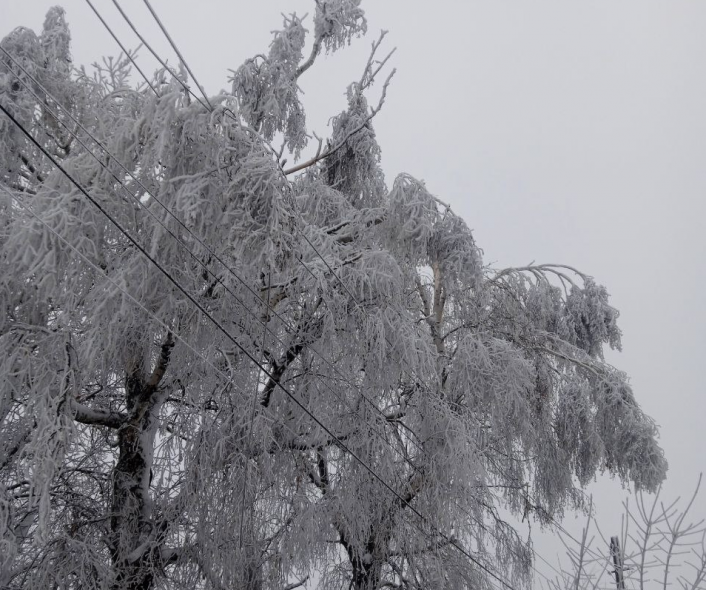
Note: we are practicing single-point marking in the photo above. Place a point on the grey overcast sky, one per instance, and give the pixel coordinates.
(561, 130)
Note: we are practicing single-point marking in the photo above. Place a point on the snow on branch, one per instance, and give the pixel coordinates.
(371, 70)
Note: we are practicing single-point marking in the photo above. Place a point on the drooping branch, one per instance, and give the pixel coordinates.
(31, 168)
(300, 443)
(16, 446)
(278, 370)
(366, 80)
(329, 152)
(413, 487)
(431, 547)
(540, 270)
(279, 292)
(369, 73)
(368, 221)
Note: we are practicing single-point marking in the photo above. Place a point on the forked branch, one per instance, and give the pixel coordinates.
(372, 68)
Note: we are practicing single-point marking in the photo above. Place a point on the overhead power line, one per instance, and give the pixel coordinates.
(122, 47)
(157, 57)
(176, 50)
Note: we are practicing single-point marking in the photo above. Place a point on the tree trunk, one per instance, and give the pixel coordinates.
(366, 564)
(131, 514)
(135, 543)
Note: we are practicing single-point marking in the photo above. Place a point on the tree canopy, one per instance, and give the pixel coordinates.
(219, 372)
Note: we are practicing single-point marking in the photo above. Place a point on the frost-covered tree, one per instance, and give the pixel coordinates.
(221, 373)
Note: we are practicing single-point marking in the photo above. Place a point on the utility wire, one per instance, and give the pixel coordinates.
(122, 47)
(176, 49)
(185, 86)
(452, 541)
(159, 59)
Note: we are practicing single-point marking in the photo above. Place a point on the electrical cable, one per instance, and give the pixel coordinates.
(125, 51)
(179, 54)
(159, 59)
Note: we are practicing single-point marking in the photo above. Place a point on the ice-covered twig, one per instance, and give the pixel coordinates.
(542, 268)
(329, 152)
(366, 80)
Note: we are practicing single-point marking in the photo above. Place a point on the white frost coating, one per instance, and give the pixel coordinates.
(336, 22)
(267, 91)
(128, 460)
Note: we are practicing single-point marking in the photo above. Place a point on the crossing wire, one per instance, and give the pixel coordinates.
(176, 50)
(157, 57)
(122, 47)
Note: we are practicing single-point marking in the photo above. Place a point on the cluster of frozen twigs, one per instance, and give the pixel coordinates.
(659, 546)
